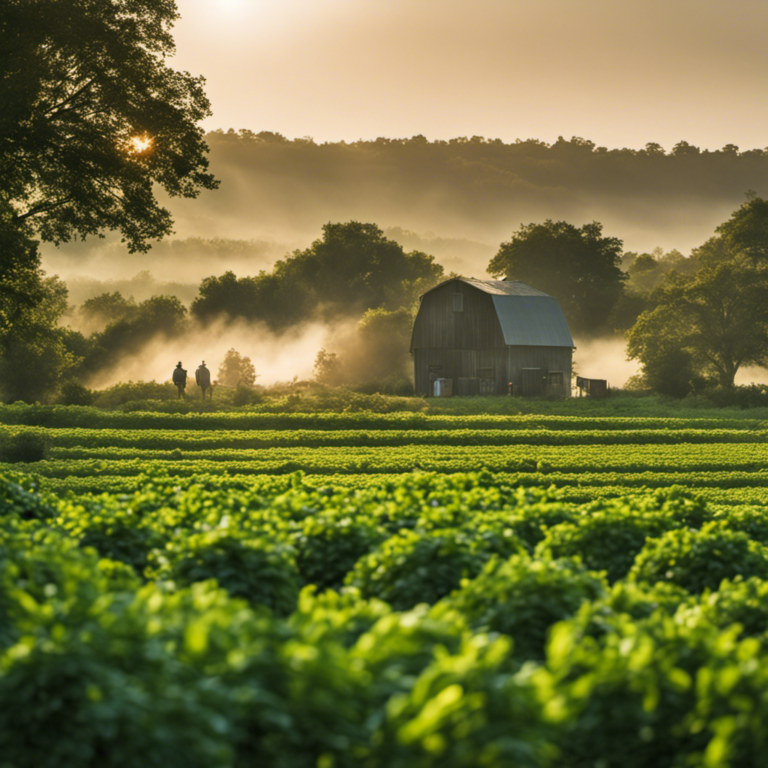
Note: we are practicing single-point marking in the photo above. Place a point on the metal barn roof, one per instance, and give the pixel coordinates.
(503, 287)
(532, 320)
(528, 317)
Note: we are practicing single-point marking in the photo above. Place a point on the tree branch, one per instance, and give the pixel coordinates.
(57, 108)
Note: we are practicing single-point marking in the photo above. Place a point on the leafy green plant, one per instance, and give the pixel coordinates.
(523, 598)
(699, 560)
(606, 541)
(261, 571)
(411, 568)
(327, 547)
(25, 446)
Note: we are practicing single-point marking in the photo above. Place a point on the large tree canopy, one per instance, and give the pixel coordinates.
(92, 118)
(710, 323)
(351, 269)
(576, 265)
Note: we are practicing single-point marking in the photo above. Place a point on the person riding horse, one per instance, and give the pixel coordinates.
(203, 379)
(180, 379)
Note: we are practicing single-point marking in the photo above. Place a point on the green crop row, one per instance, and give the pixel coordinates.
(188, 440)
(748, 491)
(93, 418)
(449, 621)
(715, 458)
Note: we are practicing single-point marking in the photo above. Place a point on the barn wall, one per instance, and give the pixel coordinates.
(456, 344)
(456, 363)
(545, 359)
(438, 325)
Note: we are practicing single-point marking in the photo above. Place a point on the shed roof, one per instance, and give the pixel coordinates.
(528, 317)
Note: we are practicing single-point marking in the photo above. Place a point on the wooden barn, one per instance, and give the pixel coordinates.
(480, 336)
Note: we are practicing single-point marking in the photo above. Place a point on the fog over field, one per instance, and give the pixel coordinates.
(457, 200)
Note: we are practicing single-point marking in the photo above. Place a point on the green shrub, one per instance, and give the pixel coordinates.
(344, 615)
(741, 601)
(752, 521)
(465, 709)
(523, 598)
(114, 530)
(411, 568)
(259, 570)
(626, 697)
(73, 393)
(123, 393)
(699, 560)
(605, 541)
(19, 497)
(102, 680)
(327, 547)
(24, 446)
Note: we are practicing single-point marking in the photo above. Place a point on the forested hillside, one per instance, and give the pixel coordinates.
(456, 200)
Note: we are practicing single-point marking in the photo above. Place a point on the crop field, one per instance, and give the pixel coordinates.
(329, 590)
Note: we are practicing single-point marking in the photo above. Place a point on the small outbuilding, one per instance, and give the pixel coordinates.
(491, 337)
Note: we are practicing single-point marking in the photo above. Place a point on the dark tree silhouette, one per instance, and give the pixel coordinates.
(92, 118)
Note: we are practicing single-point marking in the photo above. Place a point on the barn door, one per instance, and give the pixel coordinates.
(533, 381)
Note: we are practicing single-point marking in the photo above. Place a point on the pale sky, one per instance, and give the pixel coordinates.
(619, 72)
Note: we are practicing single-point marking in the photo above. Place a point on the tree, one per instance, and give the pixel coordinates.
(351, 269)
(708, 324)
(35, 355)
(108, 307)
(328, 368)
(92, 118)
(576, 265)
(158, 316)
(236, 370)
(746, 232)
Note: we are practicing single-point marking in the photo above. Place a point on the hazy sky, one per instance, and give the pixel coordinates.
(618, 72)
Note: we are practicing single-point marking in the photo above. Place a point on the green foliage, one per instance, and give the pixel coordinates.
(738, 601)
(236, 371)
(33, 350)
(411, 568)
(73, 393)
(24, 446)
(19, 498)
(706, 324)
(54, 95)
(120, 394)
(351, 269)
(577, 265)
(699, 560)
(106, 308)
(626, 696)
(108, 606)
(464, 710)
(523, 598)
(261, 571)
(327, 547)
(157, 316)
(606, 540)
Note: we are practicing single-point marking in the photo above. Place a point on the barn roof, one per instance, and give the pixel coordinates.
(528, 317)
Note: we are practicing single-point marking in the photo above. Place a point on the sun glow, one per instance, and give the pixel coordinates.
(140, 144)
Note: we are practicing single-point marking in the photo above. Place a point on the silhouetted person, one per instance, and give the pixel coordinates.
(203, 379)
(180, 379)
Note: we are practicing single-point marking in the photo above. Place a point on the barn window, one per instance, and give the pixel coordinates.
(435, 372)
(485, 373)
(458, 302)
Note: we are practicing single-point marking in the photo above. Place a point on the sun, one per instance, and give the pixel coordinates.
(140, 144)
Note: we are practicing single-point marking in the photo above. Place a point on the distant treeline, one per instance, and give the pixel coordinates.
(481, 188)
